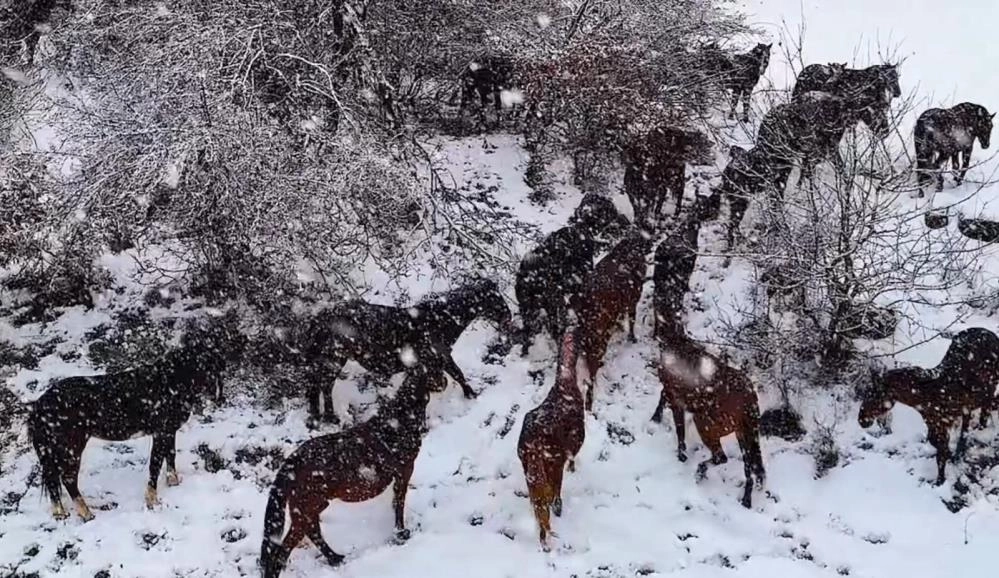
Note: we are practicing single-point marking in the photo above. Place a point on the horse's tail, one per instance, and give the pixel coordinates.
(274, 520)
(41, 438)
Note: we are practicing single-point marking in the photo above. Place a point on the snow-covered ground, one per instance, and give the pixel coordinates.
(631, 509)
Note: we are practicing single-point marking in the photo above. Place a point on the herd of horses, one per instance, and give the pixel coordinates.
(583, 305)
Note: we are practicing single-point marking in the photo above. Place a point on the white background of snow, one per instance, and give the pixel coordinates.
(628, 508)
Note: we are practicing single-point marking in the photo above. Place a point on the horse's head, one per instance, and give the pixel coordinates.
(597, 215)
(983, 127)
(762, 54)
(889, 76)
(489, 303)
(875, 401)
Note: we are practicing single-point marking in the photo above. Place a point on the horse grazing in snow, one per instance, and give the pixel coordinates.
(944, 134)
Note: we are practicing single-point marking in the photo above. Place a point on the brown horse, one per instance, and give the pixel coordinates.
(353, 465)
(963, 382)
(655, 166)
(551, 437)
(722, 401)
(610, 295)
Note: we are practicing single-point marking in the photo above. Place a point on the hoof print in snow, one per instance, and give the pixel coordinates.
(645, 570)
(619, 435)
(234, 535)
(106, 506)
(475, 520)
(32, 551)
(511, 419)
(877, 538)
(213, 462)
(102, 574)
(67, 551)
(685, 536)
(508, 533)
(148, 540)
(537, 376)
(843, 570)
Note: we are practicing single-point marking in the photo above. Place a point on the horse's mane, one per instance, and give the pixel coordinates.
(470, 287)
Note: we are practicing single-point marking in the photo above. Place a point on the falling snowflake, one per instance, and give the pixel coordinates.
(511, 97)
(408, 356)
(543, 20)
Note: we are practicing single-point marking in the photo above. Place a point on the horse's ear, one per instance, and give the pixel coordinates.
(991, 116)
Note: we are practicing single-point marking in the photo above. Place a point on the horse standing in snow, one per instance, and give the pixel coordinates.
(152, 400)
(385, 340)
(655, 167)
(745, 175)
(722, 401)
(610, 296)
(880, 80)
(674, 264)
(551, 436)
(353, 465)
(739, 73)
(963, 382)
(809, 129)
(487, 76)
(944, 134)
(551, 276)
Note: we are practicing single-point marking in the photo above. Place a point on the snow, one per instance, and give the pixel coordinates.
(630, 507)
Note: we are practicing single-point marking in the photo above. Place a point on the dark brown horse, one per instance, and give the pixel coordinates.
(152, 400)
(551, 276)
(655, 167)
(353, 465)
(738, 73)
(880, 80)
(551, 437)
(610, 296)
(722, 401)
(745, 176)
(946, 134)
(382, 338)
(963, 382)
(487, 76)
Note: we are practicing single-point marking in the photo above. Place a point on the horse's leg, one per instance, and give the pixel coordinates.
(558, 470)
(746, 95)
(962, 437)
(156, 457)
(733, 102)
(399, 500)
(965, 162)
(452, 368)
(737, 205)
(172, 477)
(677, 182)
(313, 394)
(714, 445)
(680, 427)
(71, 472)
(315, 535)
(937, 434)
(541, 493)
(938, 167)
(299, 530)
(752, 463)
(630, 316)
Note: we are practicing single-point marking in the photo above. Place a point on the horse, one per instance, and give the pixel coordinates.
(810, 128)
(353, 465)
(384, 339)
(27, 21)
(880, 80)
(490, 75)
(655, 166)
(745, 175)
(722, 401)
(964, 381)
(944, 134)
(738, 73)
(674, 260)
(156, 399)
(610, 295)
(551, 276)
(551, 437)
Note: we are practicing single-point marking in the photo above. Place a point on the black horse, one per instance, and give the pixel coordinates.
(385, 340)
(152, 400)
(944, 134)
(674, 265)
(809, 129)
(739, 73)
(490, 75)
(551, 276)
(880, 80)
(745, 176)
(354, 465)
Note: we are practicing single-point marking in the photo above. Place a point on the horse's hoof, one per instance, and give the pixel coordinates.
(59, 512)
(657, 418)
(172, 479)
(470, 394)
(572, 466)
(746, 503)
(557, 507)
(152, 500)
(683, 458)
(940, 481)
(402, 535)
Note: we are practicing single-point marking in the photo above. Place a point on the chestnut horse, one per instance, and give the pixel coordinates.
(610, 295)
(353, 465)
(722, 400)
(551, 437)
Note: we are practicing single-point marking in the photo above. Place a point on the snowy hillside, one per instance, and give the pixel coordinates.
(631, 508)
